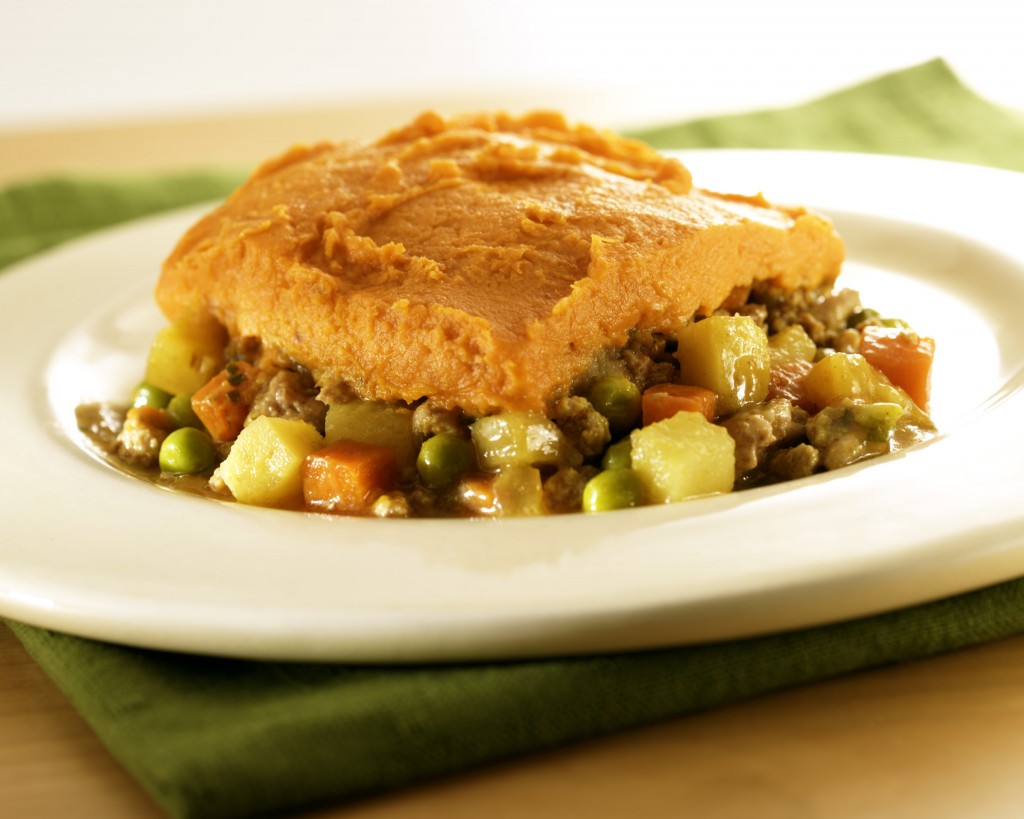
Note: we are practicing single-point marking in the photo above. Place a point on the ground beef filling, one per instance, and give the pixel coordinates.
(775, 439)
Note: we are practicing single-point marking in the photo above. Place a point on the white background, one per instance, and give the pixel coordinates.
(64, 62)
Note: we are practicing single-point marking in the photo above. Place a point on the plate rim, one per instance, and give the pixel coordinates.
(456, 635)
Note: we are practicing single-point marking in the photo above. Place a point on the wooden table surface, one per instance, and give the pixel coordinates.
(938, 738)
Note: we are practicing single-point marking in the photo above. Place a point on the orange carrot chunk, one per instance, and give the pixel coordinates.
(787, 381)
(904, 358)
(347, 477)
(224, 401)
(664, 400)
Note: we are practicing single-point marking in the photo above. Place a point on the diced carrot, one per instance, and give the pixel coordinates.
(224, 401)
(903, 357)
(347, 477)
(156, 419)
(787, 381)
(664, 400)
(476, 495)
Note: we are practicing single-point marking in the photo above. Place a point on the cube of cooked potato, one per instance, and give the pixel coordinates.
(728, 355)
(264, 466)
(791, 344)
(519, 492)
(374, 422)
(849, 375)
(186, 353)
(682, 457)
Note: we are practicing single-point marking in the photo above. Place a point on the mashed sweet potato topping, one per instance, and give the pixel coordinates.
(483, 262)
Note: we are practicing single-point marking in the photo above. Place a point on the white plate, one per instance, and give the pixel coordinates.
(87, 550)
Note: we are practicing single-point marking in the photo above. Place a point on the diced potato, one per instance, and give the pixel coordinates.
(391, 505)
(518, 491)
(521, 438)
(186, 354)
(727, 355)
(848, 375)
(791, 344)
(682, 457)
(264, 467)
(347, 477)
(374, 422)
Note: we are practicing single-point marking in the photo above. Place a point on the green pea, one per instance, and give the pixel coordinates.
(187, 451)
(613, 489)
(443, 459)
(146, 395)
(181, 412)
(619, 455)
(618, 400)
(858, 317)
(894, 323)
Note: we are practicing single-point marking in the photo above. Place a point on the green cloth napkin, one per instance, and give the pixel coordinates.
(224, 738)
(37, 215)
(922, 111)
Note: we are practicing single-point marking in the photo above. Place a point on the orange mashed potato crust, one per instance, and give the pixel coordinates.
(483, 262)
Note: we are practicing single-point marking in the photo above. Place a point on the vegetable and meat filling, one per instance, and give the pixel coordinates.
(786, 386)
